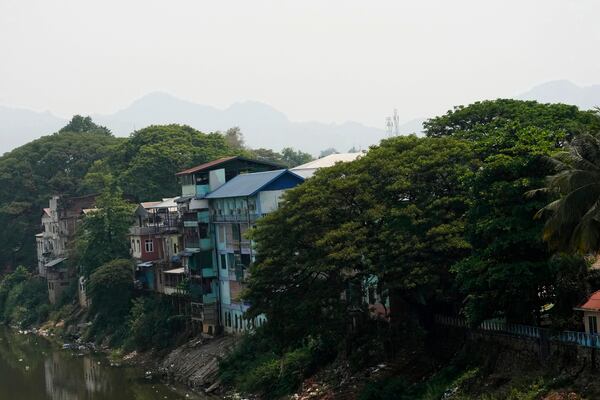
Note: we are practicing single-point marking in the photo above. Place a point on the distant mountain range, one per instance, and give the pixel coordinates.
(563, 91)
(19, 126)
(261, 124)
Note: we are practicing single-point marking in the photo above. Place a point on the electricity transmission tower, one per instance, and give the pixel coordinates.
(392, 124)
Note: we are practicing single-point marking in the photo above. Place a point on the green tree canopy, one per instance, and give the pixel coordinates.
(510, 265)
(111, 289)
(81, 124)
(102, 235)
(482, 118)
(397, 213)
(572, 219)
(30, 174)
(293, 158)
(235, 138)
(145, 165)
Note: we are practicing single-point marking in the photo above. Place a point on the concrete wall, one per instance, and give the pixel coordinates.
(269, 201)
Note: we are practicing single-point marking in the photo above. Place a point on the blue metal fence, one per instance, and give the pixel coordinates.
(524, 331)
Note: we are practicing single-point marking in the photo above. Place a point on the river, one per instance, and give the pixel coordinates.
(32, 368)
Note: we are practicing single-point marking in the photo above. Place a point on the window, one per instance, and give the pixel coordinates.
(235, 228)
(138, 245)
(223, 261)
(149, 246)
(175, 248)
(203, 230)
(593, 324)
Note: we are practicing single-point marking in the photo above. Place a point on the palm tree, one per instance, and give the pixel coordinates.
(573, 220)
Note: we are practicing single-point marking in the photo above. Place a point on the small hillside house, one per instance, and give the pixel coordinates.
(591, 313)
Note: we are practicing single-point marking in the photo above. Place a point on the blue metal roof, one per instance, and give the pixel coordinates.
(249, 184)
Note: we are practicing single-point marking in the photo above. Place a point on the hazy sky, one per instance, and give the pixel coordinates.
(314, 60)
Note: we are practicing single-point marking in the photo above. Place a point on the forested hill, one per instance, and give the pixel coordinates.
(31, 173)
(83, 157)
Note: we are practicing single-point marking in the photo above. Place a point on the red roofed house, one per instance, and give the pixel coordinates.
(591, 313)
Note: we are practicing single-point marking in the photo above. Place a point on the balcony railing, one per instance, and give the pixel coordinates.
(150, 230)
(243, 217)
(236, 244)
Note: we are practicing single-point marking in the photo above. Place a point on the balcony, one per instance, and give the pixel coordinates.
(237, 244)
(152, 230)
(242, 217)
(202, 244)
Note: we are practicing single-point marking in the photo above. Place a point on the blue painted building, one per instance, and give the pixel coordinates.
(199, 274)
(234, 208)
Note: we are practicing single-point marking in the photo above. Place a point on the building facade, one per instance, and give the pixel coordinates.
(234, 208)
(59, 222)
(199, 272)
(155, 242)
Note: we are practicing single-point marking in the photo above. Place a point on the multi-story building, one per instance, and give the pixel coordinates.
(199, 264)
(234, 208)
(155, 243)
(59, 222)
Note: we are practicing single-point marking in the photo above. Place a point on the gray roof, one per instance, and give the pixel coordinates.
(246, 184)
(54, 262)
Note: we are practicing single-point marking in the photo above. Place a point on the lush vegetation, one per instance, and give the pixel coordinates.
(84, 158)
(441, 224)
(23, 299)
(30, 174)
(462, 221)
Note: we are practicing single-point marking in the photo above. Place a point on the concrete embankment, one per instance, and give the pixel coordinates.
(196, 363)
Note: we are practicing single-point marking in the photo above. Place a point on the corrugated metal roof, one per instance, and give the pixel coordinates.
(216, 162)
(593, 302)
(148, 204)
(166, 203)
(209, 164)
(246, 184)
(329, 161)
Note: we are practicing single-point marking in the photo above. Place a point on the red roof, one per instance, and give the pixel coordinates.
(592, 303)
(218, 161)
(204, 166)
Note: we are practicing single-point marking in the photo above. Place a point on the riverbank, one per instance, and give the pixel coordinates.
(33, 367)
(193, 365)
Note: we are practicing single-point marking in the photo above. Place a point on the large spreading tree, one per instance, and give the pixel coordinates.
(30, 174)
(397, 214)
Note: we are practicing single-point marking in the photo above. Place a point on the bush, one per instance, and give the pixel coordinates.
(111, 290)
(23, 299)
(257, 367)
(153, 323)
